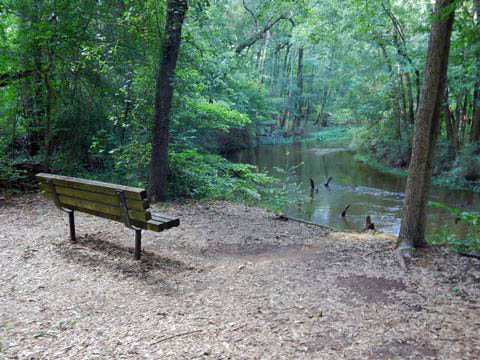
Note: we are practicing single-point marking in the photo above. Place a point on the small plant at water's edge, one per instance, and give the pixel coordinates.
(471, 243)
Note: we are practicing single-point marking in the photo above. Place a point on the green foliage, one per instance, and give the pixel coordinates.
(196, 175)
(333, 137)
(8, 174)
(101, 59)
(382, 146)
(216, 115)
(471, 243)
(467, 164)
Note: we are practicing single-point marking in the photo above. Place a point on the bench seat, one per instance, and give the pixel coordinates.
(124, 204)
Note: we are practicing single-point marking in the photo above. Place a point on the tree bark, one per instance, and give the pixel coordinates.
(475, 133)
(411, 111)
(299, 92)
(48, 109)
(412, 229)
(176, 11)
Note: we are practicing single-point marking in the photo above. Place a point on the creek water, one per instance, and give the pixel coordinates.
(369, 191)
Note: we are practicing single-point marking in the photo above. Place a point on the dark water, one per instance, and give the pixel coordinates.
(369, 191)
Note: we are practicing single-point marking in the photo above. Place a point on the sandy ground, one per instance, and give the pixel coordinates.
(232, 282)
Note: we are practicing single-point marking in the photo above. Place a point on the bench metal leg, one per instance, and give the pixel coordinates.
(71, 220)
(138, 244)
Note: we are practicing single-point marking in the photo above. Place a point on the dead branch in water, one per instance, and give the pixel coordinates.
(327, 182)
(344, 212)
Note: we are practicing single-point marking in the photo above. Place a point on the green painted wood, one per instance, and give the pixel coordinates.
(150, 225)
(155, 225)
(100, 199)
(80, 204)
(95, 196)
(167, 220)
(92, 186)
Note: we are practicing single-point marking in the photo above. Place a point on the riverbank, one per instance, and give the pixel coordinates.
(231, 282)
(327, 137)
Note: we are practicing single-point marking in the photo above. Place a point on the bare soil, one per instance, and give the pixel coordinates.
(232, 282)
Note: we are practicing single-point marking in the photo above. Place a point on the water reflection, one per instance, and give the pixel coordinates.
(369, 191)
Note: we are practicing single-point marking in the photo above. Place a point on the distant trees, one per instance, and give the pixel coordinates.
(76, 81)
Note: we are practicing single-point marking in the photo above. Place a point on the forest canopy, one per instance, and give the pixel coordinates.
(78, 86)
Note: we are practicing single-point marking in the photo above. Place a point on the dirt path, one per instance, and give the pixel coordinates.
(230, 283)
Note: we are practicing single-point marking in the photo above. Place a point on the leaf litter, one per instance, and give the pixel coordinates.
(232, 282)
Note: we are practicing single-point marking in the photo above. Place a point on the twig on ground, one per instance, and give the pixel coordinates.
(375, 251)
(285, 217)
(174, 336)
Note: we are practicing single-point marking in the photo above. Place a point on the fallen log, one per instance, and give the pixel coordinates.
(286, 218)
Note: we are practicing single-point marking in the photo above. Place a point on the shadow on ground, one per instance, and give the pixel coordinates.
(96, 252)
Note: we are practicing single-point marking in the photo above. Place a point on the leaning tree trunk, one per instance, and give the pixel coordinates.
(176, 10)
(412, 230)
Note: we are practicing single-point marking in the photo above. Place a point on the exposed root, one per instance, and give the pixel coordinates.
(402, 252)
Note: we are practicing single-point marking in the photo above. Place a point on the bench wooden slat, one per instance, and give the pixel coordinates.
(101, 198)
(93, 186)
(137, 223)
(169, 221)
(155, 225)
(99, 208)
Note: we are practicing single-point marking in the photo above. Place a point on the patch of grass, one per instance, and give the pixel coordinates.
(333, 137)
(452, 183)
(379, 166)
(39, 334)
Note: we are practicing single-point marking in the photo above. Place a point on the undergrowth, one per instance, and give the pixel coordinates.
(470, 244)
(327, 137)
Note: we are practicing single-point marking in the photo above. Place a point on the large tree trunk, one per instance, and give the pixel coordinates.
(176, 10)
(412, 230)
(475, 134)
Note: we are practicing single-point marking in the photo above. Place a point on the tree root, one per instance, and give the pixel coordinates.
(402, 252)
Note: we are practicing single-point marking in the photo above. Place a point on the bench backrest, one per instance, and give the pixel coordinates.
(97, 198)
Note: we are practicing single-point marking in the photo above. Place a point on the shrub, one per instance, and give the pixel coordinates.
(471, 243)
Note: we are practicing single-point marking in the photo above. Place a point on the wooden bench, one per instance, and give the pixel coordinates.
(125, 204)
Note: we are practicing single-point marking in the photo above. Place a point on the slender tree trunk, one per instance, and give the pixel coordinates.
(451, 136)
(299, 92)
(323, 102)
(263, 59)
(417, 81)
(411, 111)
(48, 108)
(475, 134)
(176, 10)
(273, 81)
(412, 229)
(403, 97)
